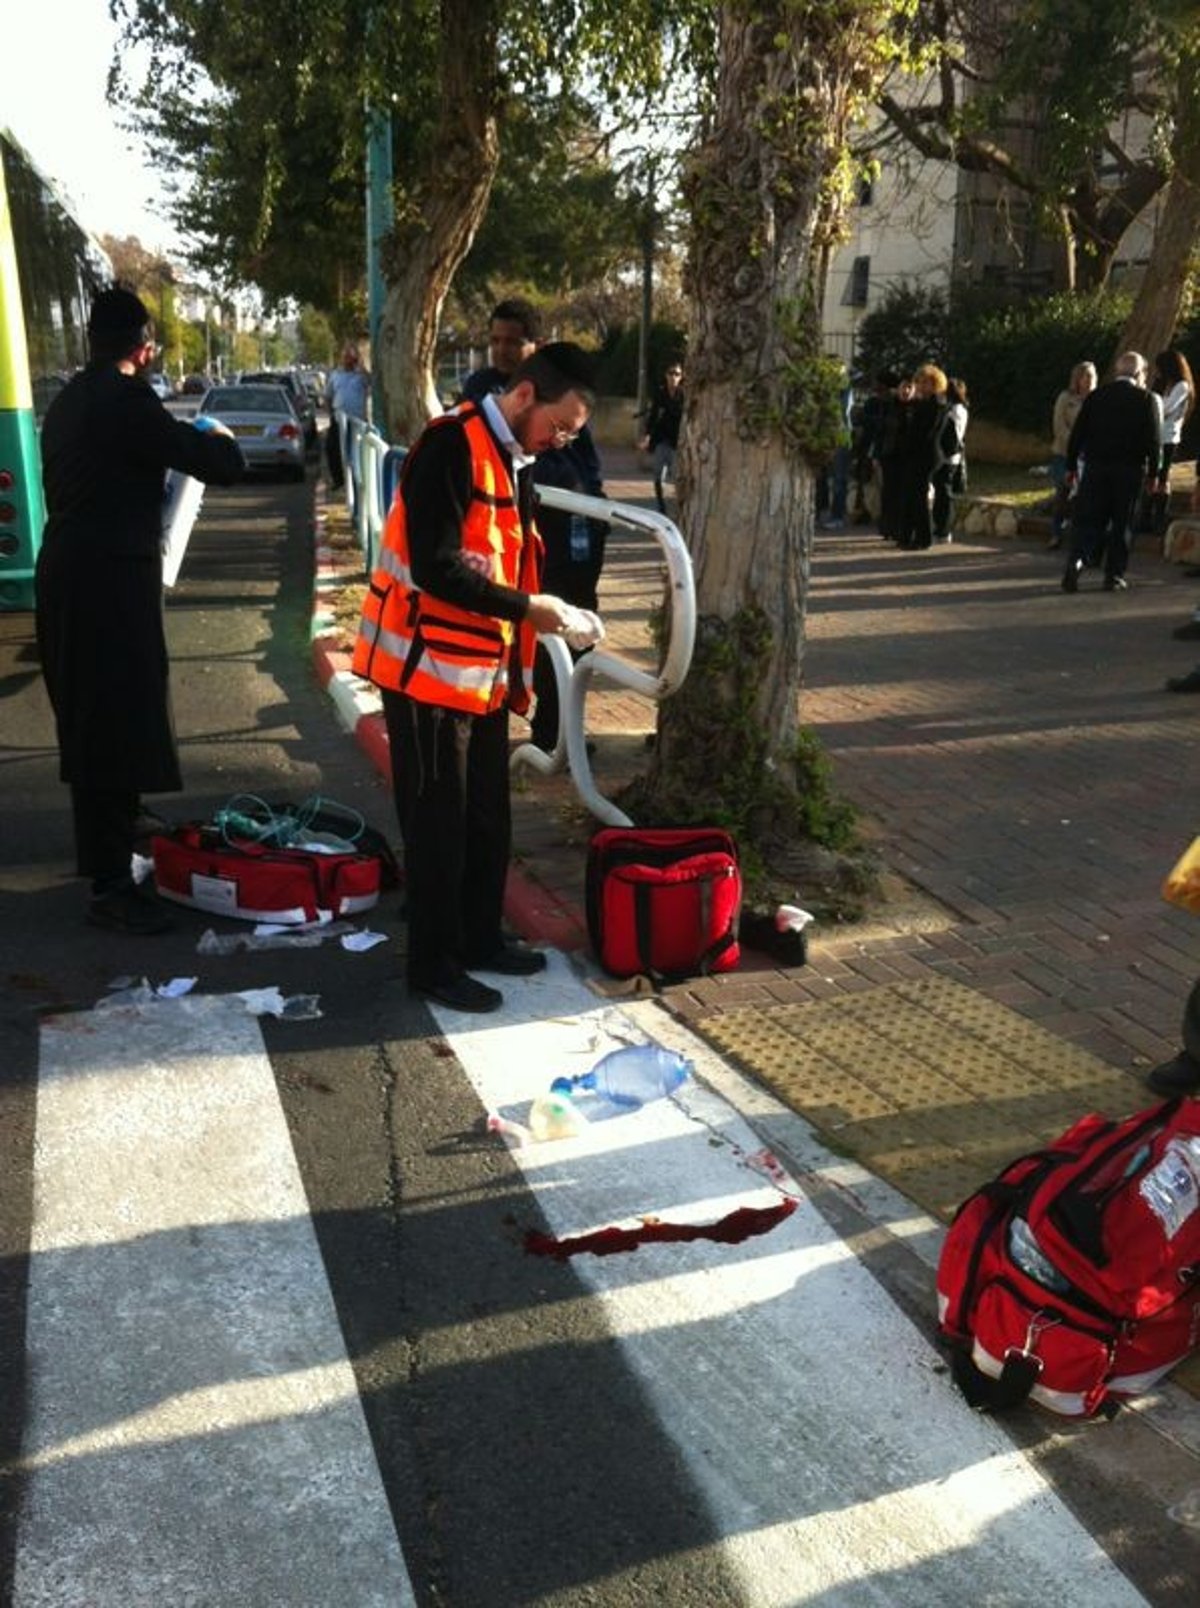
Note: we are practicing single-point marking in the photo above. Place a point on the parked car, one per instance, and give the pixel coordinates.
(297, 390)
(265, 422)
(195, 385)
(160, 385)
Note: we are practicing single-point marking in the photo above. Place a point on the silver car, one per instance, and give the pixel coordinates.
(266, 424)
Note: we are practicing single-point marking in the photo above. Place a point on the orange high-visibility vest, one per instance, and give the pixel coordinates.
(412, 642)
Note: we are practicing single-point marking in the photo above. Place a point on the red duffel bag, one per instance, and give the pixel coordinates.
(197, 865)
(664, 902)
(1073, 1278)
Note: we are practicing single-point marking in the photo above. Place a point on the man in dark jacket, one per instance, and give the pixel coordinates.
(664, 417)
(574, 546)
(1116, 434)
(106, 444)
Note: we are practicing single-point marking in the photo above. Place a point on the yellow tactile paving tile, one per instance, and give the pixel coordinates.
(926, 1082)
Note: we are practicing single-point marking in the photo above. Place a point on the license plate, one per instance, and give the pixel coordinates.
(247, 429)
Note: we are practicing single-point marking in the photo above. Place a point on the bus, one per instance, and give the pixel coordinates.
(50, 267)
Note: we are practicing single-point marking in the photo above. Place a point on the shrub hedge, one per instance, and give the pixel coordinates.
(1016, 358)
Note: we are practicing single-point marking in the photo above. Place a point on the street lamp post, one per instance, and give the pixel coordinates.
(379, 222)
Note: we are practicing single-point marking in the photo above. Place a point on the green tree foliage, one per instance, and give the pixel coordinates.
(618, 360)
(266, 115)
(907, 328)
(263, 125)
(558, 216)
(1017, 359)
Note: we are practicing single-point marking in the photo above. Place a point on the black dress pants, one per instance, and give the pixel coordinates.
(1104, 508)
(450, 779)
(104, 834)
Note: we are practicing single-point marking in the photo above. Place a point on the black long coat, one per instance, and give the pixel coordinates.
(106, 444)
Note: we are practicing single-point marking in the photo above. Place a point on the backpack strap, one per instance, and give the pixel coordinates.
(642, 929)
(996, 1395)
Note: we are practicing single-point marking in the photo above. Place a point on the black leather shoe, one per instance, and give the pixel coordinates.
(461, 994)
(512, 959)
(130, 909)
(1188, 683)
(1115, 583)
(1178, 1076)
(1070, 580)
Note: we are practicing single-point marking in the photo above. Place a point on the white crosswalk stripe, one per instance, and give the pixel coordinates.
(195, 1432)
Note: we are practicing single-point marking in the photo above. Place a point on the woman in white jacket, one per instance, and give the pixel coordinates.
(1174, 384)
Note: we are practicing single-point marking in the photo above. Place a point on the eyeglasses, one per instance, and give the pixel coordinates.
(562, 435)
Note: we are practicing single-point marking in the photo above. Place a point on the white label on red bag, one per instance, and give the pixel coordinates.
(218, 894)
(1172, 1188)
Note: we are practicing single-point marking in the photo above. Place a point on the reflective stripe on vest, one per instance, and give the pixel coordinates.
(410, 641)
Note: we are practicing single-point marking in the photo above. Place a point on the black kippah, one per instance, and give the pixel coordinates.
(117, 312)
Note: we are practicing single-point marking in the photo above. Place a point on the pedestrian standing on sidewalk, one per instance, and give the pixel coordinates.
(664, 417)
(447, 634)
(950, 471)
(1181, 1074)
(1174, 384)
(573, 547)
(919, 459)
(891, 449)
(1066, 410)
(348, 392)
(1117, 433)
(107, 442)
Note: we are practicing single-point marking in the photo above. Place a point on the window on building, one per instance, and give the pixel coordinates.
(858, 282)
(866, 192)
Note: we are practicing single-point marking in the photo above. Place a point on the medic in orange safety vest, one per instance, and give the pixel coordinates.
(434, 651)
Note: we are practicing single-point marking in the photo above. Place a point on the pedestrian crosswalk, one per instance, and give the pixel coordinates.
(195, 1434)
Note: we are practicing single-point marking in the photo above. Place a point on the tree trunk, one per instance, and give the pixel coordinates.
(1159, 301)
(437, 218)
(763, 405)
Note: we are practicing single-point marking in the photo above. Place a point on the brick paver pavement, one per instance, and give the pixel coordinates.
(1015, 750)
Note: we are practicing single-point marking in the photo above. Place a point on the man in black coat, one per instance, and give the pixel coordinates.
(1117, 435)
(106, 444)
(574, 546)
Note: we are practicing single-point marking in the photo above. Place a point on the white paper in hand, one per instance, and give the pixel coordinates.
(181, 504)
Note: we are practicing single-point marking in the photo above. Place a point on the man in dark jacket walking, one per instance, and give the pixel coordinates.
(664, 417)
(106, 444)
(1116, 434)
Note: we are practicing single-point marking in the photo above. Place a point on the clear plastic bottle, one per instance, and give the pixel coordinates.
(631, 1076)
(1031, 1259)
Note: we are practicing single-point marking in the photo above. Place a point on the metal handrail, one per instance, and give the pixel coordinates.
(574, 677)
(366, 458)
